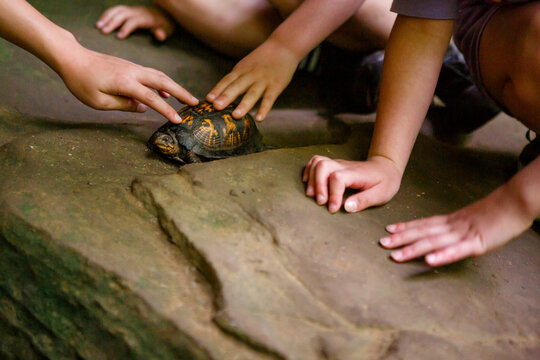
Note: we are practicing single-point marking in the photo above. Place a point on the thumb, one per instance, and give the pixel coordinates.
(362, 200)
(126, 104)
(160, 34)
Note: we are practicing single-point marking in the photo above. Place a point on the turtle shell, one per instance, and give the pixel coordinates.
(215, 133)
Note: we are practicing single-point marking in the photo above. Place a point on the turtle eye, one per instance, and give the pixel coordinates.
(167, 139)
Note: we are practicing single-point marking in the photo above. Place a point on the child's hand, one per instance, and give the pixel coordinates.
(378, 180)
(265, 73)
(131, 18)
(470, 231)
(108, 83)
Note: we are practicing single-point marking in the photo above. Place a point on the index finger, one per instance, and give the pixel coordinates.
(159, 81)
(148, 97)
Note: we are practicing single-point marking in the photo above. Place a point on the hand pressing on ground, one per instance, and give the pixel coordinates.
(473, 230)
(378, 180)
(130, 18)
(109, 83)
(263, 74)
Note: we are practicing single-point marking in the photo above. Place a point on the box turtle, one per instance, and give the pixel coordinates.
(206, 134)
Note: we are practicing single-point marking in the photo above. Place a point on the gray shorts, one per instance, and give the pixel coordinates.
(471, 20)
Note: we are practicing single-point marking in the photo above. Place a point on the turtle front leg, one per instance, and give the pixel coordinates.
(191, 158)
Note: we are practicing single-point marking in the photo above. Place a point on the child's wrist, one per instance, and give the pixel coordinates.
(518, 202)
(63, 51)
(381, 157)
(285, 45)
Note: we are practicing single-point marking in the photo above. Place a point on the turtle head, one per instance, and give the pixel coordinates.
(166, 144)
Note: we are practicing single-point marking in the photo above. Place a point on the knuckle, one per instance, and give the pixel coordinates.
(148, 96)
(480, 246)
(101, 103)
(336, 176)
(123, 82)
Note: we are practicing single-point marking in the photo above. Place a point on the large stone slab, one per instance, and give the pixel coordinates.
(293, 278)
(229, 259)
(106, 252)
(86, 270)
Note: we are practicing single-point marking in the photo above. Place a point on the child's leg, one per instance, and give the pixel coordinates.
(233, 27)
(367, 30)
(510, 61)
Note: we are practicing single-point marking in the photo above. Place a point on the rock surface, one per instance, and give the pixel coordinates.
(229, 259)
(106, 252)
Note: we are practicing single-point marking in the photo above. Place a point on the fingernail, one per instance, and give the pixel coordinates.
(99, 23)
(391, 228)
(333, 208)
(351, 205)
(141, 108)
(385, 241)
(236, 113)
(320, 199)
(194, 100)
(211, 97)
(396, 255)
(431, 258)
(218, 102)
(259, 118)
(177, 118)
(309, 191)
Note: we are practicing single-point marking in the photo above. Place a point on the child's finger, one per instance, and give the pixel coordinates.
(150, 98)
(129, 26)
(425, 245)
(469, 246)
(232, 91)
(362, 200)
(336, 190)
(305, 175)
(220, 86)
(158, 80)
(160, 34)
(266, 105)
(310, 189)
(325, 170)
(424, 222)
(122, 103)
(114, 23)
(107, 15)
(249, 100)
(410, 235)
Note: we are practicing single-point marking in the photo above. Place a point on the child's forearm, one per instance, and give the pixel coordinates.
(312, 22)
(522, 192)
(413, 60)
(24, 26)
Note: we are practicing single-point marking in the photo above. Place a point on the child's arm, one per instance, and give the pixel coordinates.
(413, 59)
(266, 71)
(472, 230)
(98, 80)
(412, 62)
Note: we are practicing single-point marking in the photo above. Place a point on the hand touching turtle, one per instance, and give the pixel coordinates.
(100, 81)
(264, 73)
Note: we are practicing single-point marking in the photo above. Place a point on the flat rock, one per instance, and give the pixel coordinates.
(229, 260)
(107, 252)
(307, 284)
